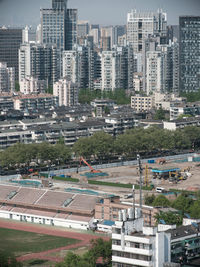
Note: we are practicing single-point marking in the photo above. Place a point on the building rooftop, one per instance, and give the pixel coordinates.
(184, 231)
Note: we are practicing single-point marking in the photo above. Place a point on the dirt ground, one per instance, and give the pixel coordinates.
(130, 174)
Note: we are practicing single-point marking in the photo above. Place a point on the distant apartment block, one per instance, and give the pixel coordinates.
(10, 41)
(184, 109)
(82, 28)
(142, 24)
(67, 92)
(142, 103)
(28, 35)
(39, 61)
(7, 78)
(189, 53)
(31, 85)
(34, 102)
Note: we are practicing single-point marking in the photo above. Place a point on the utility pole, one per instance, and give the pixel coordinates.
(140, 172)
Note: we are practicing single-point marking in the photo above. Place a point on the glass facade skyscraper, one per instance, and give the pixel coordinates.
(189, 53)
(10, 40)
(59, 25)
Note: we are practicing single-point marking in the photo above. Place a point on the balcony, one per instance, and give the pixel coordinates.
(132, 261)
(139, 251)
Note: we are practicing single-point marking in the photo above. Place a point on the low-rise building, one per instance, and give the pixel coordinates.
(6, 102)
(109, 208)
(179, 124)
(184, 109)
(31, 85)
(35, 102)
(142, 103)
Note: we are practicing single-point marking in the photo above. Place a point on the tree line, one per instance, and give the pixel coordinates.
(99, 249)
(119, 96)
(102, 146)
(184, 203)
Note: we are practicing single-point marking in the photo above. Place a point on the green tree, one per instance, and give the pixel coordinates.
(149, 199)
(194, 209)
(84, 148)
(17, 87)
(160, 114)
(102, 145)
(8, 260)
(161, 201)
(183, 203)
(169, 218)
(99, 249)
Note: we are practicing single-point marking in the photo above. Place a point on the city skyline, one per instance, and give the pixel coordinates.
(16, 14)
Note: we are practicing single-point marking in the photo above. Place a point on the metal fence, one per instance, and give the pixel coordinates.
(117, 164)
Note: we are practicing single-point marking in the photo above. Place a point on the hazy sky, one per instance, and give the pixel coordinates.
(105, 12)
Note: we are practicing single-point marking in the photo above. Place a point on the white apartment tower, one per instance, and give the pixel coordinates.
(117, 68)
(78, 65)
(39, 61)
(108, 70)
(142, 24)
(7, 78)
(67, 92)
(155, 72)
(70, 65)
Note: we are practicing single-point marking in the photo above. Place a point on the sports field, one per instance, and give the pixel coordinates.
(21, 242)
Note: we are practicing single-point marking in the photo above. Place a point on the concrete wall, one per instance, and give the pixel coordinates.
(44, 220)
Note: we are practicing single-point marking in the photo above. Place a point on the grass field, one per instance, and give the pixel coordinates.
(20, 242)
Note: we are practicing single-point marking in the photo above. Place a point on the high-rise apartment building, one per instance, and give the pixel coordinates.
(83, 28)
(78, 65)
(142, 24)
(105, 43)
(118, 31)
(175, 58)
(108, 32)
(7, 78)
(189, 53)
(59, 25)
(155, 72)
(117, 68)
(67, 92)
(28, 35)
(108, 70)
(39, 61)
(10, 41)
(71, 28)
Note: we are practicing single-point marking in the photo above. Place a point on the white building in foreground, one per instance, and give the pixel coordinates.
(136, 245)
(67, 92)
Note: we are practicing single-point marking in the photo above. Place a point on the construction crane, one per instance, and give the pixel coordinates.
(146, 181)
(92, 170)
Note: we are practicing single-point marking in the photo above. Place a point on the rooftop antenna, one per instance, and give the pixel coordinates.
(133, 189)
(140, 172)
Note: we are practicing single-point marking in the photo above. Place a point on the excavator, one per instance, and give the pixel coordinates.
(92, 170)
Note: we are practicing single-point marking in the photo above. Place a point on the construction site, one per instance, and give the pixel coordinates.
(169, 174)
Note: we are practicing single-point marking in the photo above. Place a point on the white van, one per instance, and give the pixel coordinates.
(160, 189)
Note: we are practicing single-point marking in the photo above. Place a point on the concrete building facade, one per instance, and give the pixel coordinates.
(39, 61)
(10, 41)
(67, 92)
(30, 85)
(142, 24)
(7, 78)
(189, 53)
